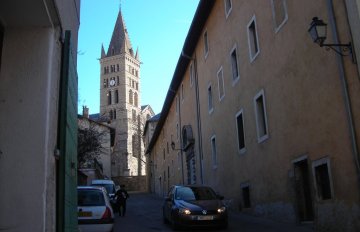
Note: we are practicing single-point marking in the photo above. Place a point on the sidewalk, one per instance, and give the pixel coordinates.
(253, 223)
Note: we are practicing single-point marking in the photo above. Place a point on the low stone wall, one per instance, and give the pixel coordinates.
(132, 183)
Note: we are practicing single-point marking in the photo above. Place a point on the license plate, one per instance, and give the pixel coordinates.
(84, 214)
(203, 218)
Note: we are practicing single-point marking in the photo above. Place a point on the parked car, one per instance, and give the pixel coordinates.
(192, 206)
(110, 187)
(95, 213)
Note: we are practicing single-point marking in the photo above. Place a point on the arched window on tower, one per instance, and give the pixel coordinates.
(111, 115)
(134, 146)
(130, 97)
(116, 96)
(114, 113)
(136, 99)
(117, 67)
(109, 97)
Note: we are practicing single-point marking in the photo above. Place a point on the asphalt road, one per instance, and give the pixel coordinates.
(144, 213)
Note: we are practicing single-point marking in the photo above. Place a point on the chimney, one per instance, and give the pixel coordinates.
(85, 112)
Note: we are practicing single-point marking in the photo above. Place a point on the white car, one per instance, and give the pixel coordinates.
(95, 213)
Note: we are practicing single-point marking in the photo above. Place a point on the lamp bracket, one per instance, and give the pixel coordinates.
(343, 49)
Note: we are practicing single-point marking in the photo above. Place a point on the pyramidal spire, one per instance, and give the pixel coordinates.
(102, 51)
(120, 42)
(137, 54)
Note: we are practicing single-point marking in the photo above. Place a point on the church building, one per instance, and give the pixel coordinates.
(120, 106)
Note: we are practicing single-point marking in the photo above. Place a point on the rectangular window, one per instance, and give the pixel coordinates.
(133, 115)
(246, 196)
(322, 179)
(118, 67)
(234, 65)
(253, 39)
(210, 100)
(261, 120)
(228, 7)
(280, 15)
(117, 81)
(220, 78)
(191, 74)
(109, 97)
(240, 131)
(206, 44)
(213, 151)
(116, 96)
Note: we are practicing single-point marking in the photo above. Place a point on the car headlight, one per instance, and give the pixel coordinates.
(221, 209)
(184, 211)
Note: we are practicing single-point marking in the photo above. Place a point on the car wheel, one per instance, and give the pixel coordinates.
(175, 226)
(224, 226)
(165, 219)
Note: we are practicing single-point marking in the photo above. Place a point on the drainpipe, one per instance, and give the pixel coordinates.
(181, 140)
(354, 145)
(198, 118)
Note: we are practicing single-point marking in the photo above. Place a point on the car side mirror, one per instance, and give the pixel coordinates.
(117, 187)
(167, 199)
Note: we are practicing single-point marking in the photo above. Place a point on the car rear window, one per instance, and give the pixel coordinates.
(109, 187)
(90, 197)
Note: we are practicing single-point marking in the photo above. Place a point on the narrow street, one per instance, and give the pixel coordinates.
(144, 213)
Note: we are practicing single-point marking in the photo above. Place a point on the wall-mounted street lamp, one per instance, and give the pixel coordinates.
(318, 30)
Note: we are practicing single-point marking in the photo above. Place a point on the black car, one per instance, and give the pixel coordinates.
(194, 206)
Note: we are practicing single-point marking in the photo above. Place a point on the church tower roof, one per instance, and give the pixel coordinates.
(120, 42)
(102, 51)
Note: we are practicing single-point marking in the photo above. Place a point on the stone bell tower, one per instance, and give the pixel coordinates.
(120, 100)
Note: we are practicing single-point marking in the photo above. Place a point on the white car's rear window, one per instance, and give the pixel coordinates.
(89, 197)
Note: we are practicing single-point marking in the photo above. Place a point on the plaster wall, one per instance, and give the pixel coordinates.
(28, 121)
(304, 105)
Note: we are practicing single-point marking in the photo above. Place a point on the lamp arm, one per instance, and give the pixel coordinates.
(345, 48)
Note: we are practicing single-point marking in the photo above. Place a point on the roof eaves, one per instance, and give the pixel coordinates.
(201, 15)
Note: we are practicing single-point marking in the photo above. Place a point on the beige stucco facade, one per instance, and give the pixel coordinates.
(32, 33)
(280, 138)
(105, 155)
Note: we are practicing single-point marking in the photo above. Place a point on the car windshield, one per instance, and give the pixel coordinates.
(90, 197)
(195, 193)
(109, 187)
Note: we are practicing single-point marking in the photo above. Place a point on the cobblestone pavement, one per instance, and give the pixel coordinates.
(144, 213)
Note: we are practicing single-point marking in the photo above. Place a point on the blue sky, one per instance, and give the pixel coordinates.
(157, 27)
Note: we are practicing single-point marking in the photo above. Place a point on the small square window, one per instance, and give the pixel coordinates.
(240, 131)
(253, 39)
(220, 78)
(191, 74)
(234, 65)
(280, 15)
(228, 7)
(246, 196)
(210, 99)
(260, 113)
(322, 179)
(206, 44)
